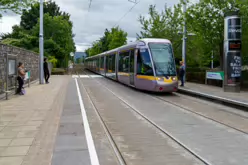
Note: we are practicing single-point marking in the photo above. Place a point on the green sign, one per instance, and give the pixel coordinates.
(27, 76)
(215, 75)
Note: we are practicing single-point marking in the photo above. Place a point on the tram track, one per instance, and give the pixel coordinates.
(160, 129)
(203, 115)
(198, 113)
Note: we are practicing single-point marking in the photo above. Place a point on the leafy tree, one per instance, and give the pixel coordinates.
(205, 19)
(14, 5)
(111, 39)
(166, 24)
(116, 38)
(58, 36)
(104, 41)
(30, 16)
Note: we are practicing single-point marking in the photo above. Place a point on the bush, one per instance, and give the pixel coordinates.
(198, 76)
(58, 71)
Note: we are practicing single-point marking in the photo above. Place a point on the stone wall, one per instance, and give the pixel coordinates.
(30, 60)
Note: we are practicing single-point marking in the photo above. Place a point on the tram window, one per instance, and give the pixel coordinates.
(120, 63)
(112, 62)
(163, 59)
(124, 62)
(144, 65)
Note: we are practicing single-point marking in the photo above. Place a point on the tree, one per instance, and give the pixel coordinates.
(116, 38)
(30, 16)
(104, 41)
(14, 5)
(58, 36)
(58, 39)
(166, 24)
(205, 19)
(111, 40)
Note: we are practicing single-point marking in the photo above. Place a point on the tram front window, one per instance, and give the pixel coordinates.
(163, 59)
(144, 65)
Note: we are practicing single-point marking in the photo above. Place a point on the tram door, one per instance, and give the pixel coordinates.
(131, 67)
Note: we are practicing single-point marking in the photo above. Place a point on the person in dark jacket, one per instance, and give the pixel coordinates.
(181, 73)
(20, 78)
(46, 71)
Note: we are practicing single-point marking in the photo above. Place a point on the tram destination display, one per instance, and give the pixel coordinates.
(234, 28)
(234, 67)
(234, 45)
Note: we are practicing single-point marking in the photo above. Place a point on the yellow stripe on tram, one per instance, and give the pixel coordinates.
(123, 74)
(169, 80)
(146, 77)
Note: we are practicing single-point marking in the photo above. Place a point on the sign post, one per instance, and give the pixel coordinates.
(232, 52)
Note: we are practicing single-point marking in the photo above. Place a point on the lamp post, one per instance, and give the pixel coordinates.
(41, 44)
(185, 34)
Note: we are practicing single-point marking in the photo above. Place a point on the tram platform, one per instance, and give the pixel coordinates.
(215, 93)
(29, 123)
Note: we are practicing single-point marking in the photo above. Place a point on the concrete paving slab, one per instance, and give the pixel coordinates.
(26, 134)
(17, 160)
(70, 142)
(15, 151)
(22, 142)
(80, 157)
(5, 142)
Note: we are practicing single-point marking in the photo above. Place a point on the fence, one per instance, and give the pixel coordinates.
(9, 58)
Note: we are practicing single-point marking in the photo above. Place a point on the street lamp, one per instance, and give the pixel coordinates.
(41, 44)
(185, 34)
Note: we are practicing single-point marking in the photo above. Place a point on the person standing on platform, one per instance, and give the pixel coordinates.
(46, 71)
(20, 78)
(181, 73)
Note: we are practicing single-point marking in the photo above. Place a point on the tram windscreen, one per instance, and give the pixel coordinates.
(163, 59)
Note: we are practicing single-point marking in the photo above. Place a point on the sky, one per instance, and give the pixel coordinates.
(89, 24)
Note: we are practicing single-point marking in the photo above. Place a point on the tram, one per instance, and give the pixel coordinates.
(147, 64)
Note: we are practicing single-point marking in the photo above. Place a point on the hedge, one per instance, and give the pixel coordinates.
(197, 75)
(58, 71)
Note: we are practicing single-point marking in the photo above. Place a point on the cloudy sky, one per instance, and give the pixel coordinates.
(89, 25)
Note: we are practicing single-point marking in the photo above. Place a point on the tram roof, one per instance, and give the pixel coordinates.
(133, 45)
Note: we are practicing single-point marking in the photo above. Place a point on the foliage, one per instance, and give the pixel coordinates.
(166, 24)
(14, 5)
(58, 36)
(58, 71)
(111, 40)
(206, 20)
(79, 60)
(30, 17)
(53, 60)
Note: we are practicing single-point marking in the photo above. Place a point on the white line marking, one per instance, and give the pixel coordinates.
(91, 147)
(83, 76)
(74, 76)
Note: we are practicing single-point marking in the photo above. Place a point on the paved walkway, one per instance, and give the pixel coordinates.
(216, 91)
(28, 124)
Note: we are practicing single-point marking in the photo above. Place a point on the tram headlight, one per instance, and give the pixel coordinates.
(160, 79)
(174, 78)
